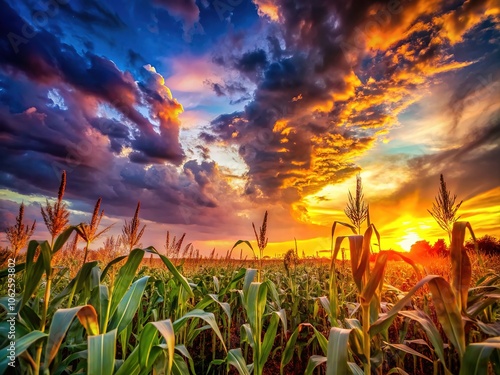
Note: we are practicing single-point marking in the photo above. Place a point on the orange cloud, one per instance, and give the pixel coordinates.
(267, 8)
(457, 23)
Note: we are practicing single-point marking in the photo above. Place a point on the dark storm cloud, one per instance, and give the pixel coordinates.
(70, 135)
(135, 58)
(92, 13)
(329, 65)
(251, 61)
(46, 60)
(230, 89)
(305, 75)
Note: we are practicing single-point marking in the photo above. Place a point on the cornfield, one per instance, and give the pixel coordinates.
(126, 316)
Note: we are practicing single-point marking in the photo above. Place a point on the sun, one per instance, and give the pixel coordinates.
(408, 239)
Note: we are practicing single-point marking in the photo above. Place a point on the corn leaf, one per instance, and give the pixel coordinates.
(147, 341)
(461, 271)
(22, 344)
(376, 277)
(173, 270)
(386, 319)
(124, 278)
(314, 361)
(268, 342)
(61, 321)
(477, 356)
(128, 305)
(406, 349)
(448, 313)
(75, 284)
(235, 359)
(337, 358)
(208, 317)
(430, 329)
(101, 354)
(62, 238)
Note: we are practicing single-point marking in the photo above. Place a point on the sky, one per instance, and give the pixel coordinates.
(211, 112)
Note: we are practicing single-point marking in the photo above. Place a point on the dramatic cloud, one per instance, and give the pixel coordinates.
(342, 78)
(209, 121)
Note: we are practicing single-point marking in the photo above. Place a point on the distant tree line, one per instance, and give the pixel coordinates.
(487, 244)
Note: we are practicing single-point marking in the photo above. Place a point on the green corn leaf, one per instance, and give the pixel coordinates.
(124, 278)
(255, 303)
(356, 336)
(314, 361)
(211, 298)
(77, 283)
(355, 369)
(250, 274)
(147, 340)
(268, 342)
(477, 356)
(179, 366)
(22, 344)
(34, 272)
(131, 365)
(240, 274)
(239, 242)
(128, 305)
(64, 366)
(362, 271)
(61, 322)
(183, 350)
(246, 335)
(173, 270)
(111, 264)
(101, 354)
(287, 354)
(337, 358)
(235, 358)
(100, 300)
(62, 239)
(355, 249)
(334, 226)
(17, 268)
(480, 305)
(46, 256)
(208, 317)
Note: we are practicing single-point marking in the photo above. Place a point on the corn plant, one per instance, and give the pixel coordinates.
(132, 231)
(19, 234)
(254, 298)
(88, 231)
(444, 210)
(356, 209)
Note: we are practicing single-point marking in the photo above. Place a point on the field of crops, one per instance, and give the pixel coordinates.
(137, 315)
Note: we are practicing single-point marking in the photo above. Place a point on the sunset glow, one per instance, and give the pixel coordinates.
(211, 116)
